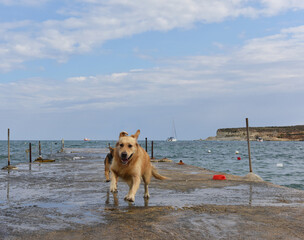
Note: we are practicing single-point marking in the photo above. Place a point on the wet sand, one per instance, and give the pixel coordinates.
(71, 200)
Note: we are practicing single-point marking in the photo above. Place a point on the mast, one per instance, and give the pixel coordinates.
(174, 130)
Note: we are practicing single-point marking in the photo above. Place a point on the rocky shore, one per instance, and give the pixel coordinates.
(284, 133)
(70, 200)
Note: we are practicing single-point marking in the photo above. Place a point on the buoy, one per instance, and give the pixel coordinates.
(180, 162)
(237, 152)
(280, 165)
(219, 177)
(238, 158)
(209, 151)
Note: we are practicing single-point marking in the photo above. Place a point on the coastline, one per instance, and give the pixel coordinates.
(272, 133)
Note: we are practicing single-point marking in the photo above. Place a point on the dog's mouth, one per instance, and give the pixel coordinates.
(125, 160)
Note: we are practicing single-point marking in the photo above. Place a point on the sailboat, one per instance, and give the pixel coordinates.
(174, 138)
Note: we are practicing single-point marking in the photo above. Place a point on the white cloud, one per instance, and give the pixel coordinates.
(286, 46)
(263, 65)
(273, 7)
(78, 79)
(273, 64)
(87, 26)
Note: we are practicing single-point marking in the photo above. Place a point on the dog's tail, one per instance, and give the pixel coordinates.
(157, 175)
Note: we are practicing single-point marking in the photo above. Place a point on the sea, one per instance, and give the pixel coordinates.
(281, 163)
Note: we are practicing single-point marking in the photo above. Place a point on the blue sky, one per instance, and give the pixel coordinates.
(89, 68)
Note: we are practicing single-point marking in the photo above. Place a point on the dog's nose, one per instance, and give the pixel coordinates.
(124, 155)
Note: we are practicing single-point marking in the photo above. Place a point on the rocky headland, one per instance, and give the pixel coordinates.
(282, 133)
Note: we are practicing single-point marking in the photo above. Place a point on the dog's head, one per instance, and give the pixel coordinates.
(127, 146)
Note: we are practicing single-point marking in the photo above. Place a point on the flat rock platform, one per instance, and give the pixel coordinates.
(69, 199)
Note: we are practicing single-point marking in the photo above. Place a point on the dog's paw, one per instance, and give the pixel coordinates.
(147, 195)
(129, 198)
(107, 180)
(113, 189)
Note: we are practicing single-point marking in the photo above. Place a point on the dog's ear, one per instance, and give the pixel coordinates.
(136, 134)
(123, 134)
(111, 150)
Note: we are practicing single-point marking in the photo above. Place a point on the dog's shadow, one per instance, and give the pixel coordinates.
(116, 201)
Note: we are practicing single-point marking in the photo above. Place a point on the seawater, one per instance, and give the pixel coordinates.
(281, 163)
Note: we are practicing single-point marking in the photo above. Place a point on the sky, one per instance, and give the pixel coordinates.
(93, 68)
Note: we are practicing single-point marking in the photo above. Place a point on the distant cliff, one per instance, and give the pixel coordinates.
(288, 133)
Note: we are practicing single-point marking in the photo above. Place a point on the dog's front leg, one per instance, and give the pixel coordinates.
(113, 185)
(133, 189)
(147, 195)
(107, 170)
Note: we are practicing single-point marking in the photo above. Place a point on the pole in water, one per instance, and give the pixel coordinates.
(152, 143)
(9, 166)
(39, 149)
(8, 148)
(30, 150)
(146, 145)
(62, 145)
(248, 142)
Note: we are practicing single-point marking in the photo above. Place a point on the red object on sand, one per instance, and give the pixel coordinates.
(219, 177)
(239, 158)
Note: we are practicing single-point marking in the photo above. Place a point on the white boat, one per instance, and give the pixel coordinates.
(171, 139)
(174, 138)
(86, 139)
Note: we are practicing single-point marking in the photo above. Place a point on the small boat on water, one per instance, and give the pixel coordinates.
(174, 138)
(259, 139)
(86, 139)
(171, 139)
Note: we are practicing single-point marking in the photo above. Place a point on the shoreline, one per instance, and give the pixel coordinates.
(70, 200)
(270, 133)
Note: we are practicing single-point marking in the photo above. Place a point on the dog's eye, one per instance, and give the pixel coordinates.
(121, 145)
(130, 146)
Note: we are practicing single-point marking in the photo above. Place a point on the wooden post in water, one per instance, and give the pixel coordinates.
(39, 149)
(62, 145)
(146, 145)
(248, 142)
(30, 150)
(152, 150)
(8, 148)
(9, 166)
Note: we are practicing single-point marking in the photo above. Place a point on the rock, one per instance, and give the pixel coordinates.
(253, 177)
(9, 167)
(161, 160)
(40, 159)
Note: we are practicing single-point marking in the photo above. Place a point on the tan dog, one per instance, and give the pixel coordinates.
(131, 162)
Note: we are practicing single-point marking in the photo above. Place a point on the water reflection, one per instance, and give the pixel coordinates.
(250, 194)
(116, 201)
(8, 187)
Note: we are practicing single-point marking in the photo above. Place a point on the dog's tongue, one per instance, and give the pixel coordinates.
(124, 161)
